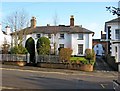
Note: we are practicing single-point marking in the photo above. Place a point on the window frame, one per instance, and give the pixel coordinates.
(37, 35)
(49, 36)
(80, 36)
(79, 50)
(62, 37)
(60, 46)
(117, 34)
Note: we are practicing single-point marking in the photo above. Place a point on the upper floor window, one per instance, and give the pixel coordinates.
(49, 36)
(38, 35)
(80, 36)
(61, 36)
(117, 33)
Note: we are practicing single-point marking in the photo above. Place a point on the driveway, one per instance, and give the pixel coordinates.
(101, 65)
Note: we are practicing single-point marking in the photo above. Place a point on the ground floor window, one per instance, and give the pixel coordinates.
(61, 45)
(80, 48)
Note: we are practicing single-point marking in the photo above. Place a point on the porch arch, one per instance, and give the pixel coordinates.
(30, 46)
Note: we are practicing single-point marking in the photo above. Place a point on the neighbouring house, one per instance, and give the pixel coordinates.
(5, 40)
(5, 37)
(99, 45)
(112, 29)
(75, 37)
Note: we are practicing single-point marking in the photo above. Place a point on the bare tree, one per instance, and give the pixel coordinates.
(55, 22)
(55, 19)
(17, 21)
(114, 10)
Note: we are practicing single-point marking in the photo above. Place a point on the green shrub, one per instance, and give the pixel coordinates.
(94, 55)
(43, 46)
(74, 59)
(65, 54)
(82, 60)
(90, 54)
(18, 50)
(30, 46)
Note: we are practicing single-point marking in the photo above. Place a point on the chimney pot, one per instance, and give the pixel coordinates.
(33, 22)
(72, 20)
(48, 24)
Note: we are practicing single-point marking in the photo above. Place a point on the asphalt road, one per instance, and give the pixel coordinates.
(31, 79)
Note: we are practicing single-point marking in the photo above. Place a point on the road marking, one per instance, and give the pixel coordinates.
(103, 85)
(7, 88)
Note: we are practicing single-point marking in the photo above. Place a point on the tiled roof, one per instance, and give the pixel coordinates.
(55, 29)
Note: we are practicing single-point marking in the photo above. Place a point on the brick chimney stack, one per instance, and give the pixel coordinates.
(72, 20)
(33, 22)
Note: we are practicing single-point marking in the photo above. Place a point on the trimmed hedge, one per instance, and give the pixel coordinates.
(65, 54)
(43, 46)
(82, 60)
(90, 54)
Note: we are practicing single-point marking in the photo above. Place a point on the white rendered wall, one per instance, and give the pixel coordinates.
(114, 26)
(87, 43)
(4, 37)
(69, 41)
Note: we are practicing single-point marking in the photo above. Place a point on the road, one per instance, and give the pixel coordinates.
(31, 79)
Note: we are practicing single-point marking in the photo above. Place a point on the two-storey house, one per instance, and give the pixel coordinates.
(5, 36)
(112, 29)
(75, 37)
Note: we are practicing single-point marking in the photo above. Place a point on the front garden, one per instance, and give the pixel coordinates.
(62, 61)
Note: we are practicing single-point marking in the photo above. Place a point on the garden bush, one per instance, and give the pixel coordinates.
(30, 45)
(18, 50)
(43, 46)
(90, 54)
(65, 54)
(82, 60)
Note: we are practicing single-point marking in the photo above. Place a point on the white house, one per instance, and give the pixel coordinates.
(112, 29)
(75, 37)
(5, 36)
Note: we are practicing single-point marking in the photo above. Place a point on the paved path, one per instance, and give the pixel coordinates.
(101, 65)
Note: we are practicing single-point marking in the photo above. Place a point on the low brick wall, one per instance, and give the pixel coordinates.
(51, 65)
(111, 62)
(66, 66)
(10, 63)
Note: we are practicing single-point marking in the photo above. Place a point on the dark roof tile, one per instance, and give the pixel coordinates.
(55, 29)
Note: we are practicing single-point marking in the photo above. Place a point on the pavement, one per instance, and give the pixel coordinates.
(60, 71)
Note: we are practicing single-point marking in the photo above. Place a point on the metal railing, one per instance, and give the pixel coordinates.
(48, 58)
(13, 57)
(38, 58)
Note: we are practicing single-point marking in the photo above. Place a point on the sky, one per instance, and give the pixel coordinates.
(91, 15)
